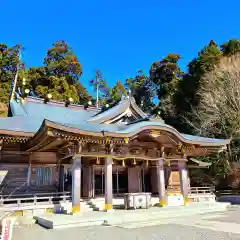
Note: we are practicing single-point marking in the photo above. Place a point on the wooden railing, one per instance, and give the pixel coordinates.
(55, 197)
(40, 198)
(202, 190)
(193, 190)
(227, 192)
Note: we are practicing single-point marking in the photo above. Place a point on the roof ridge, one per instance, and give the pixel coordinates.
(60, 104)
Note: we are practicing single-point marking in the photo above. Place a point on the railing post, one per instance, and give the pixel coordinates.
(1, 200)
(50, 200)
(18, 202)
(35, 200)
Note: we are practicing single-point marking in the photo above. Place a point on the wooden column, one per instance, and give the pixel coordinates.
(183, 180)
(76, 184)
(161, 183)
(108, 184)
(29, 174)
(61, 179)
(134, 176)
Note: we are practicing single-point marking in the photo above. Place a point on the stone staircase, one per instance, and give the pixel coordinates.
(97, 204)
(86, 206)
(15, 181)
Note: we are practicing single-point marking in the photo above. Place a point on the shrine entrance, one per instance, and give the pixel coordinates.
(146, 180)
(119, 180)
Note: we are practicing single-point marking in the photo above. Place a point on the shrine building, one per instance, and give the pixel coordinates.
(49, 146)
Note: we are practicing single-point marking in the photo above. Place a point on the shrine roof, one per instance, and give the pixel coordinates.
(29, 117)
(120, 108)
(19, 124)
(135, 128)
(53, 110)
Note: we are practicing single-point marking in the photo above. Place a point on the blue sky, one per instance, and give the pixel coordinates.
(118, 37)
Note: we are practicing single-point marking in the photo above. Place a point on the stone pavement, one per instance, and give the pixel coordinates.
(213, 226)
(117, 217)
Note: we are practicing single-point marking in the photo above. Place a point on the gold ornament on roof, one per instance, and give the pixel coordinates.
(179, 148)
(27, 91)
(49, 96)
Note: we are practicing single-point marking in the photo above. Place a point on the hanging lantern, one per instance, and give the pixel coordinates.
(97, 161)
(134, 161)
(123, 163)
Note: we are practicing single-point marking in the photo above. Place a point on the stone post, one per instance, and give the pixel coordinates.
(108, 184)
(76, 184)
(183, 180)
(161, 183)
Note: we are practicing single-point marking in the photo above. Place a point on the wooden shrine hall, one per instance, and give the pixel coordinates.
(51, 146)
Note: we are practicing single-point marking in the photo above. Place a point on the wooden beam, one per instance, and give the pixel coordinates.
(52, 144)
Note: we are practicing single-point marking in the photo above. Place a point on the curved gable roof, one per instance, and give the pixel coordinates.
(114, 130)
(120, 108)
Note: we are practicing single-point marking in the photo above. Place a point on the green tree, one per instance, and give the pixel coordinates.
(101, 88)
(142, 89)
(61, 62)
(59, 76)
(218, 112)
(166, 75)
(186, 98)
(9, 63)
(231, 47)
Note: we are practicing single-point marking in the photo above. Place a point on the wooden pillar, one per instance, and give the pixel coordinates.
(76, 184)
(134, 176)
(183, 180)
(29, 173)
(108, 184)
(161, 183)
(61, 179)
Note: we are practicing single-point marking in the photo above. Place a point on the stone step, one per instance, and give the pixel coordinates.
(152, 216)
(168, 213)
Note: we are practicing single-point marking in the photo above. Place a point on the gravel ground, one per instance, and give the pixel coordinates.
(163, 231)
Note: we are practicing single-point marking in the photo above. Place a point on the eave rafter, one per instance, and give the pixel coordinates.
(12, 139)
(88, 139)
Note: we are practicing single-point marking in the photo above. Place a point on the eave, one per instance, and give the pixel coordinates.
(52, 135)
(13, 137)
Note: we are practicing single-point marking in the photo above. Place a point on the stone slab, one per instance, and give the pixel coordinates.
(119, 217)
